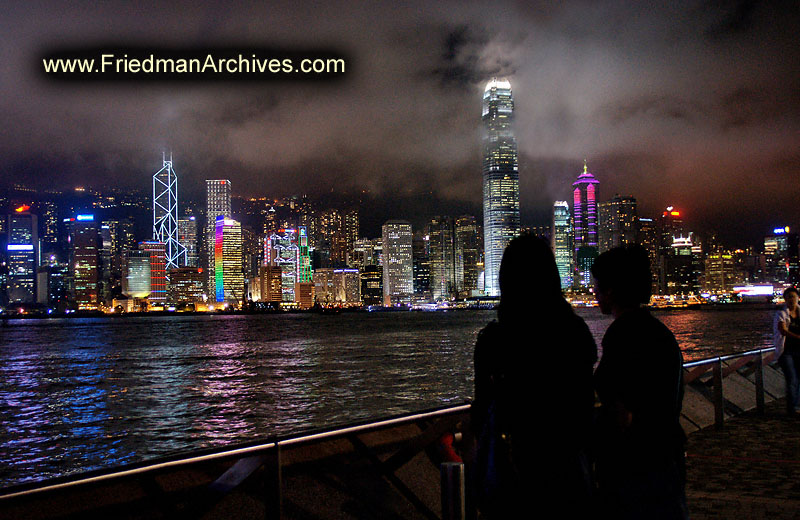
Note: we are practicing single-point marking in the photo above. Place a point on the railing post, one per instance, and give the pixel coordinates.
(453, 496)
(719, 403)
(273, 483)
(759, 376)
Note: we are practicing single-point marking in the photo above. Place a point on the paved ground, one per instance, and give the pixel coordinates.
(749, 469)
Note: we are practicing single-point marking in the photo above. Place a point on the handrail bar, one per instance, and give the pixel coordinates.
(229, 452)
(708, 361)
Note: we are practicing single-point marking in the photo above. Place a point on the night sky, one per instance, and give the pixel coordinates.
(691, 104)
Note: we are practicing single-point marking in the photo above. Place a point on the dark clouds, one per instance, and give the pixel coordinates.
(694, 105)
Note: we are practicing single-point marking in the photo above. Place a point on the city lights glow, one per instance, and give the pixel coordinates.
(754, 290)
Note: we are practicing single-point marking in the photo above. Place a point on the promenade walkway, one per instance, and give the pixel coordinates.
(749, 469)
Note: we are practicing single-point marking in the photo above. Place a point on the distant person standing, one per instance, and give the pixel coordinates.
(640, 466)
(534, 401)
(787, 347)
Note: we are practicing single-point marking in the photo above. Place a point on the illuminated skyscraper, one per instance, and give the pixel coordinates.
(781, 256)
(84, 248)
(366, 252)
(421, 267)
(105, 283)
(442, 254)
(49, 212)
(187, 236)
(347, 286)
(158, 270)
(304, 273)
(51, 283)
(228, 276)
(282, 252)
(500, 179)
(719, 272)
(398, 268)
(337, 286)
(165, 214)
(22, 251)
(618, 223)
(562, 242)
(304, 288)
(324, 287)
(336, 233)
(670, 229)
(218, 203)
(186, 285)
(136, 282)
(351, 229)
(584, 218)
(372, 285)
(467, 253)
(680, 268)
(647, 237)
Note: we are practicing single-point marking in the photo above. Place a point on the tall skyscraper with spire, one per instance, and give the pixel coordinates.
(165, 213)
(584, 211)
(501, 221)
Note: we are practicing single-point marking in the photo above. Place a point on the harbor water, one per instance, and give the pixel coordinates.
(87, 393)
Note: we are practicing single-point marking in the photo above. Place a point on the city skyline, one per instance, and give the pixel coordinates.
(682, 105)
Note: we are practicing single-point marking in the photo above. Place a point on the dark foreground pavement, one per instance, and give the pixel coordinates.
(750, 469)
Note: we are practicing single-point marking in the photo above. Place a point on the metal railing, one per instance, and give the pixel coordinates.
(252, 457)
(697, 369)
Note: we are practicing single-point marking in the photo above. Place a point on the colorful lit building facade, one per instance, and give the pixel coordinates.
(287, 252)
(158, 271)
(228, 274)
(584, 218)
(218, 203)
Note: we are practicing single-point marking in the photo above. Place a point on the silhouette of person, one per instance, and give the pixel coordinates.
(533, 406)
(787, 346)
(640, 469)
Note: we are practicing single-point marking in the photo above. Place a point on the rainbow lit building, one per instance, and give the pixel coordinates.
(584, 211)
(228, 274)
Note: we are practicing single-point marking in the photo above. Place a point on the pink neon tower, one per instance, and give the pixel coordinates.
(584, 197)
